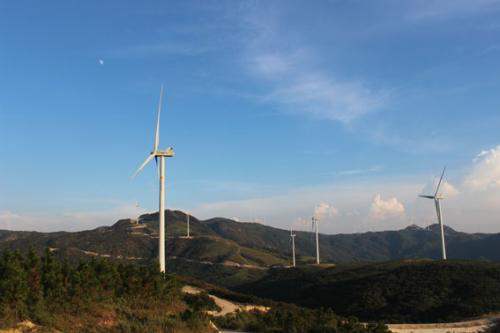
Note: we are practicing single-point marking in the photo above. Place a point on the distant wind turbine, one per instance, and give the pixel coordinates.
(292, 235)
(187, 217)
(158, 154)
(315, 222)
(437, 197)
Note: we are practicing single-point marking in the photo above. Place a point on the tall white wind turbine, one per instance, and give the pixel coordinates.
(292, 235)
(160, 155)
(315, 222)
(437, 197)
(187, 217)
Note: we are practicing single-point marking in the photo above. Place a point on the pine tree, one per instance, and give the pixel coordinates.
(51, 278)
(34, 301)
(13, 286)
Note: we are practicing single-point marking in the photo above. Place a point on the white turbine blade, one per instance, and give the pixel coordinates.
(150, 157)
(157, 136)
(440, 180)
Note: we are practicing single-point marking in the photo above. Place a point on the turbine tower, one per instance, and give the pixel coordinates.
(160, 155)
(292, 235)
(187, 217)
(316, 229)
(437, 197)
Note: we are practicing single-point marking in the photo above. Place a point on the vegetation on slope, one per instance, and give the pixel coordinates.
(404, 291)
(252, 243)
(291, 319)
(104, 296)
(94, 296)
(222, 275)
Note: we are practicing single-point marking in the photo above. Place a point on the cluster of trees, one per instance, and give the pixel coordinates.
(134, 298)
(292, 319)
(421, 292)
(104, 296)
(402, 291)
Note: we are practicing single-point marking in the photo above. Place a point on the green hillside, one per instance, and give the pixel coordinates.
(94, 296)
(42, 294)
(402, 291)
(223, 240)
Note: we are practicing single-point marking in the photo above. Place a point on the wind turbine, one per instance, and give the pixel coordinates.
(316, 229)
(187, 217)
(437, 197)
(292, 235)
(160, 155)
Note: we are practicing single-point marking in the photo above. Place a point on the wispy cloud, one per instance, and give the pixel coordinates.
(297, 83)
(68, 221)
(169, 48)
(326, 98)
(435, 9)
(354, 172)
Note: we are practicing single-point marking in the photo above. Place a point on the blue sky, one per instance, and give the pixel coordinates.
(274, 109)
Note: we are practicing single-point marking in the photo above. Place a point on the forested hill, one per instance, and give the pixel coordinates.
(221, 240)
(398, 291)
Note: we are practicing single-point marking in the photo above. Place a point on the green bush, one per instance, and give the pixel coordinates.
(201, 302)
(292, 319)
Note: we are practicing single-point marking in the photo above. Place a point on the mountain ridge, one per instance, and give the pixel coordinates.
(248, 243)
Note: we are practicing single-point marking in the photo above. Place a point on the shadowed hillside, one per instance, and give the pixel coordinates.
(403, 291)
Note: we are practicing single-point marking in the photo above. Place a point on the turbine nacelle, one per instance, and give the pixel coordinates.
(169, 152)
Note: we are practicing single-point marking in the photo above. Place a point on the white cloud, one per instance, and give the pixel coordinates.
(101, 62)
(485, 174)
(350, 212)
(325, 211)
(386, 209)
(447, 189)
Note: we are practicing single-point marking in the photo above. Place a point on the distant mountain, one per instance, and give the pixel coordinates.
(411, 242)
(230, 243)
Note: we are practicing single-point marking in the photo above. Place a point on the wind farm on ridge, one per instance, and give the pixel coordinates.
(158, 154)
(307, 193)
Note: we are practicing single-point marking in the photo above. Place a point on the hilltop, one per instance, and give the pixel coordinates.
(232, 243)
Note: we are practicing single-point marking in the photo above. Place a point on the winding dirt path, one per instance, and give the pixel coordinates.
(225, 305)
